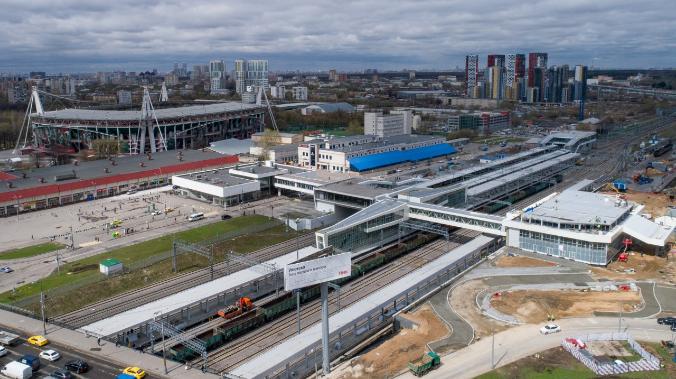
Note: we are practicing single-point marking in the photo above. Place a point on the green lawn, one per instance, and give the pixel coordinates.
(558, 364)
(30, 251)
(88, 267)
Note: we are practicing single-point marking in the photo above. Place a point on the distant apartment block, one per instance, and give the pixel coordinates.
(278, 91)
(123, 97)
(253, 72)
(299, 93)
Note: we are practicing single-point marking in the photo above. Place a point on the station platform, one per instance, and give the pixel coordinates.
(355, 321)
(133, 317)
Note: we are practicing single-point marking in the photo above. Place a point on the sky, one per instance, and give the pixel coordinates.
(135, 35)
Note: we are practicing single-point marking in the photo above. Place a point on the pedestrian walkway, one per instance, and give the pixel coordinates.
(462, 332)
(119, 355)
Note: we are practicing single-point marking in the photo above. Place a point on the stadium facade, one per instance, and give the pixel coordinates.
(69, 131)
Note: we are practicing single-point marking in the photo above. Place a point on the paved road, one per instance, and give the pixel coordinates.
(651, 308)
(462, 332)
(523, 341)
(667, 298)
(98, 368)
(107, 358)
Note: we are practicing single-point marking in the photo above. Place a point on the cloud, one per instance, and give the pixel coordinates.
(71, 35)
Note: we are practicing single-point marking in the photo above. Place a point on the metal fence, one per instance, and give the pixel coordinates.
(648, 362)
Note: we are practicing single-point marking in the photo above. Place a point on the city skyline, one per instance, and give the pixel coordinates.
(81, 36)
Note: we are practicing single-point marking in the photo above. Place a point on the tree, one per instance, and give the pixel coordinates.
(355, 127)
(462, 133)
(105, 148)
(270, 138)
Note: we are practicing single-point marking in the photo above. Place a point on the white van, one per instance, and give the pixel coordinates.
(17, 370)
(196, 216)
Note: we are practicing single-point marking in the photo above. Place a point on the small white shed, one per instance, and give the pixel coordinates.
(110, 266)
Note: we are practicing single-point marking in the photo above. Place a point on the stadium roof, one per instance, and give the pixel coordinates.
(161, 113)
(389, 158)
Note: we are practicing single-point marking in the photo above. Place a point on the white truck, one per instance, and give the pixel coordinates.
(8, 339)
(17, 370)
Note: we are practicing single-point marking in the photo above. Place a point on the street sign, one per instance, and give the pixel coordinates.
(320, 270)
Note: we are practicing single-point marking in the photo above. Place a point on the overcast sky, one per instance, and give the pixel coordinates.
(94, 35)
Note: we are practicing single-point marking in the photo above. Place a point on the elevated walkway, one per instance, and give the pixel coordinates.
(459, 218)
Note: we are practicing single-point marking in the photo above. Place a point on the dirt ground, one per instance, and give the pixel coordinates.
(521, 261)
(463, 302)
(655, 204)
(645, 267)
(393, 355)
(534, 306)
(608, 349)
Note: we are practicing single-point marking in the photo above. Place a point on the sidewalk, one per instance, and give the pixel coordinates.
(121, 356)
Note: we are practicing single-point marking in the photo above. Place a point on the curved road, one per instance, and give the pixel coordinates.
(523, 341)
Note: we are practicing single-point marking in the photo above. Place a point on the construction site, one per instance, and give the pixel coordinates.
(437, 262)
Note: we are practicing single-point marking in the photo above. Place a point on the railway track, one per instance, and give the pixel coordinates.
(234, 353)
(134, 298)
(196, 331)
(601, 168)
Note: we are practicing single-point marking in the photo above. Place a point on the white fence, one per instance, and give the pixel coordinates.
(648, 361)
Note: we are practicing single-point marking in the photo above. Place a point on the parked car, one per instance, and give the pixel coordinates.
(62, 374)
(77, 366)
(50, 355)
(37, 340)
(226, 217)
(3, 351)
(550, 328)
(666, 320)
(136, 372)
(16, 370)
(30, 360)
(6, 269)
(156, 213)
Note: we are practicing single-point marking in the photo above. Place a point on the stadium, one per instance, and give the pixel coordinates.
(68, 131)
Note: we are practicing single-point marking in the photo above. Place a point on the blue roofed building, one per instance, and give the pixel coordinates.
(342, 154)
(371, 162)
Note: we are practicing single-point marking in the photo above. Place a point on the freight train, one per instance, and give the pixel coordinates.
(244, 316)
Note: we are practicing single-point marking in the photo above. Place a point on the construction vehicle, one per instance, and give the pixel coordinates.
(241, 306)
(424, 364)
(624, 257)
(642, 179)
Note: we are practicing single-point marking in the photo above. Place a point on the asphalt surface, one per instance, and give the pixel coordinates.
(462, 332)
(523, 341)
(98, 367)
(651, 307)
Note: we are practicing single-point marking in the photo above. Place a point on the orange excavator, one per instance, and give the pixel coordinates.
(241, 306)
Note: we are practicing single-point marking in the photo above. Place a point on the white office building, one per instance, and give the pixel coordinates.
(378, 124)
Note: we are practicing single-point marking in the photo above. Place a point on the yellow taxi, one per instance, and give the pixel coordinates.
(136, 372)
(37, 340)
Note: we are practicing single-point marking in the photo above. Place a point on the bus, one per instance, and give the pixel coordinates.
(196, 217)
